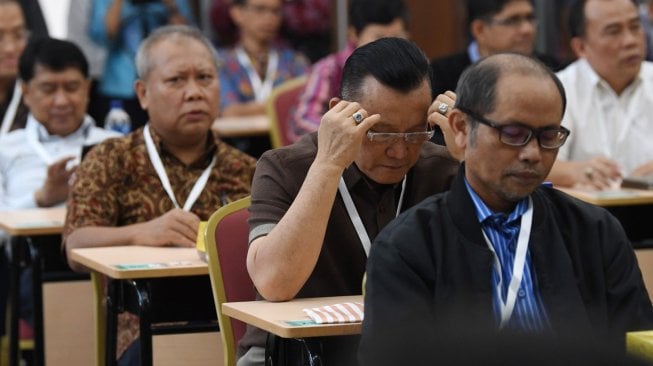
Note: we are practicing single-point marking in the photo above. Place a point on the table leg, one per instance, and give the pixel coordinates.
(143, 302)
(37, 298)
(113, 307)
(15, 258)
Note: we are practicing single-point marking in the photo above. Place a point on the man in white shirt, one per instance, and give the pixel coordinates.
(37, 162)
(610, 93)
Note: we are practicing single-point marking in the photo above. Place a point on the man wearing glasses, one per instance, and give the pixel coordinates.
(318, 204)
(501, 251)
(495, 26)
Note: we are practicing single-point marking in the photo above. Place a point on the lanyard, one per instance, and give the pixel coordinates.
(161, 172)
(518, 266)
(262, 89)
(355, 217)
(10, 114)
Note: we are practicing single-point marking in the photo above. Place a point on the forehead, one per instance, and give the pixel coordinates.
(45, 74)
(399, 111)
(527, 98)
(180, 53)
(11, 16)
(601, 13)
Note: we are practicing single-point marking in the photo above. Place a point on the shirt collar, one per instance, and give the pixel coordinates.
(598, 82)
(44, 136)
(473, 53)
(483, 211)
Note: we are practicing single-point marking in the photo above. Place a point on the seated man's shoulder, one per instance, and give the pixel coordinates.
(230, 156)
(301, 153)
(448, 62)
(569, 209)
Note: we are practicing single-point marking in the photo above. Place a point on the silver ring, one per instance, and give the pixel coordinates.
(358, 117)
(443, 108)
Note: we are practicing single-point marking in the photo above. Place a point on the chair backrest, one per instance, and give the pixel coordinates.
(226, 239)
(281, 103)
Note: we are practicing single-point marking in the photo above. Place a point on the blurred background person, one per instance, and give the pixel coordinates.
(306, 24)
(120, 26)
(610, 91)
(13, 38)
(255, 65)
(369, 20)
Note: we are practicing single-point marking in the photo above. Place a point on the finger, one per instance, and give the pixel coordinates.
(369, 122)
(450, 94)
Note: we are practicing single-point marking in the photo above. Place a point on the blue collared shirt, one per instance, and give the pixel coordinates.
(529, 314)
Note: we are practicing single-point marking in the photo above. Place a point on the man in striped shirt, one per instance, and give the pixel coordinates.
(501, 252)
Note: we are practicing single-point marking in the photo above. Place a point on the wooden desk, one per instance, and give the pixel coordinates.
(618, 197)
(131, 272)
(274, 316)
(135, 261)
(37, 221)
(241, 126)
(632, 207)
(19, 224)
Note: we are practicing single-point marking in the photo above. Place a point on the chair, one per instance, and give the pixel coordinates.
(280, 104)
(226, 239)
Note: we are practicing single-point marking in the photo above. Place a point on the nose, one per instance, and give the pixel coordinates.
(531, 152)
(193, 89)
(60, 97)
(397, 150)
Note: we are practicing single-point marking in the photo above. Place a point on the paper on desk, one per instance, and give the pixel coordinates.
(348, 312)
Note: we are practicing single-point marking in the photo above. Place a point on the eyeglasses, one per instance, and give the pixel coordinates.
(14, 37)
(413, 138)
(514, 21)
(520, 135)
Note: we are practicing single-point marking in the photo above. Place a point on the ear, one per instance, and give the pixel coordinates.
(352, 37)
(477, 29)
(460, 129)
(141, 93)
(578, 46)
(333, 101)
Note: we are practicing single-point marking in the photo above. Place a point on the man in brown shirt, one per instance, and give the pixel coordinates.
(371, 150)
(153, 186)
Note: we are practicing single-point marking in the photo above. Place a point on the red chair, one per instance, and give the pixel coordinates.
(279, 107)
(226, 239)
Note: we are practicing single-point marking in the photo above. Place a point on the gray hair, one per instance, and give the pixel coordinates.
(143, 61)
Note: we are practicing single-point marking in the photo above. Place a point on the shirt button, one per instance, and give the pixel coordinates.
(521, 293)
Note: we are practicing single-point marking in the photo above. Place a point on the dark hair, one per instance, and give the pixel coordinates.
(576, 18)
(485, 9)
(365, 12)
(394, 62)
(54, 54)
(476, 90)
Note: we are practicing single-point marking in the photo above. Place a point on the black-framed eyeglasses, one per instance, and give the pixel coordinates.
(389, 138)
(516, 134)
